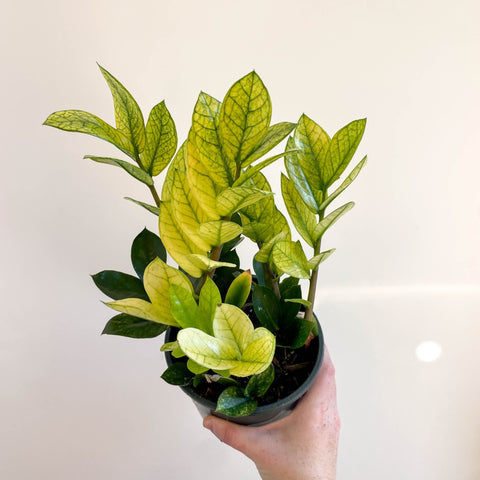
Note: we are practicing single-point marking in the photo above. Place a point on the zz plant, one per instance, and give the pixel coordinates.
(231, 324)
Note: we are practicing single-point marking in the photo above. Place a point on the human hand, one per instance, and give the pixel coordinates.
(302, 445)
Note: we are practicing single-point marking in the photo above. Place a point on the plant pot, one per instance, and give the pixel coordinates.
(265, 413)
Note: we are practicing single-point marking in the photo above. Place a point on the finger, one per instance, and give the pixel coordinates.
(240, 437)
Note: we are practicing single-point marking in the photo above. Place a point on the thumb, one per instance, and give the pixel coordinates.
(240, 437)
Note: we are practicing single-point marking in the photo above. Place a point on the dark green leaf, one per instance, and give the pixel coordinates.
(233, 403)
(258, 385)
(133, 327)
(294, 332)
(286, 285)
(198, 379)
(290, 310)
(259, 272)
(118, 285)
(146, 247)
(178, 374)
(266, 306)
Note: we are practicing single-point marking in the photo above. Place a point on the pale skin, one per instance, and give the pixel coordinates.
(302, 445)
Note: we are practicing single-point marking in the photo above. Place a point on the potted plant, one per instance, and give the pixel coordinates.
(243, 345)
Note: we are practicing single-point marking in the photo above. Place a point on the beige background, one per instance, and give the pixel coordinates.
(75, 405)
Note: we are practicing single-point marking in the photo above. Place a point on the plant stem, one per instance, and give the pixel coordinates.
(155, 195)
(313, 287)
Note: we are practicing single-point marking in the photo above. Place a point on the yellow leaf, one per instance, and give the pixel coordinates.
(143, 309)
(218, 232)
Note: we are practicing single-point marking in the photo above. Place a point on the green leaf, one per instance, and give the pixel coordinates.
(146, 247)
(161, 140)
(344, 185)
(169, 346)
(178, 163)
(330, 219)
(195, 368)
(259, 384)
(217, 232)
(289, 258)
(263, 255)
(176, 241)
(140, 308)
(314, 262)
(295, 332)
(118, 285)
(259, 272)
(146, 206)
(341, 150)
(300, 301)
(289, 290)
(275, 134)
(84, 122)
(233, 326)
(178, 374)
(251, 171)
(134, 171)
(299, 178)
(133, 327)
(184, 308)
(204, 134)
(266, 306)
(208, 300)
(206, 264)
(304, 220)
(233, 403)
(232, 200)
(244, 117)
(239, 289)
(313, 142)
(128, 116)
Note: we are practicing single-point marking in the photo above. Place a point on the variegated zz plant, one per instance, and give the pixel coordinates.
(231, 323)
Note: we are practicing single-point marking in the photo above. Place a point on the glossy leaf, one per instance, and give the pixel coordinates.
(204, 134)
(178, 163)
(232, 200)
(330, 219)
(289, 258)
(134, 171)
(128, 116)
(84, 122)
(208, 300)
(275, 134)
(146, 206)
(232, 402)
(341, 150)
(202, 185)
(294, 169)
(176, 241)
(239, 289)
(142, 309)
(233, 326)
(258, 355)
(195, 368)
(244, 117)
(146, 247)
(169, 346)
(184, 307)
(133, 327)
(300, 301)
(161, 140)
(263, 255)
(304, 220)
(252, 170)
(314, 262)
(206, 264)
(178, 374)
(313, 142)
(295, 332)
(217, 232)
(118, 285)
(266, 306)
(259, 384)
(344, 185)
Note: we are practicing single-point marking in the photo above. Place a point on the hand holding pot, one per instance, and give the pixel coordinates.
(301, 445)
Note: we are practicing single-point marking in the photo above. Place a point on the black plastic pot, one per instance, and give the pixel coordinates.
(263, 414)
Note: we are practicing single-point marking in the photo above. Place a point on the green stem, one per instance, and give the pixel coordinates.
(155, 195)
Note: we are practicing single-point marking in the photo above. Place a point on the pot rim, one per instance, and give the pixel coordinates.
(286, 401)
